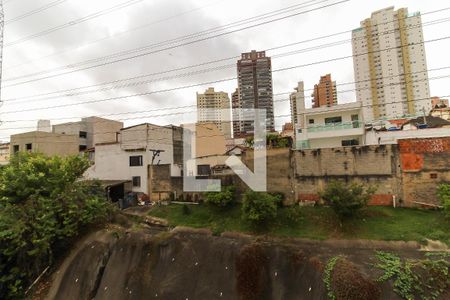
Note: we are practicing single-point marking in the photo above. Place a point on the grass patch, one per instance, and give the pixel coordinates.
(374, 223)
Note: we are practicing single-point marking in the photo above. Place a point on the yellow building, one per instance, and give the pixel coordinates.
(214, 107)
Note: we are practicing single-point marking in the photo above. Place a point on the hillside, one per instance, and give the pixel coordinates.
(144, 262)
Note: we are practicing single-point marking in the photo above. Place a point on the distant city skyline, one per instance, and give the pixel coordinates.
(197, 15)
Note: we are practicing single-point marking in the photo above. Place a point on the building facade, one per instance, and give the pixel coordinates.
(325, 93)
(390, 65)
(437, 102)
(254, 71)
(297, 101)
(328, 127)
(48, 143)
(137, 150)
(235, 105)
(4, 153)
(91, 131)
(214, 107)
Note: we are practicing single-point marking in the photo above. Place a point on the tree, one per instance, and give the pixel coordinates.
(444, 196)
(346, 200)
(259, 208)
(42, 204)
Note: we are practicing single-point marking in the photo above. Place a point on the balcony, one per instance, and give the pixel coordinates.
(336, 129)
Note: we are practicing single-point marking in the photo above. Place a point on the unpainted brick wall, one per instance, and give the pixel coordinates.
(425, 163)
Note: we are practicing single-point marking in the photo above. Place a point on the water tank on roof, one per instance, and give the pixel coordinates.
(44, 125)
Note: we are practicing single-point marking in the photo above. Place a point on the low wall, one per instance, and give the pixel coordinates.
(409, 172)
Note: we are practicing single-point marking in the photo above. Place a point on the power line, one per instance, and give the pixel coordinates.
(34, 11)
(218, 81)
(113, 35)
(279, 100)
(163, 49)
(174, 40)
(73, 22)
(71, 93)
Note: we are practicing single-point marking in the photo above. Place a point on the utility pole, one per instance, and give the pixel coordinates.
(155, 153)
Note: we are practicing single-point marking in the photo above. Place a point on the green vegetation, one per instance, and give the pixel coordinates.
(426, 278)
(444, 196)
(375, 223)
(259, 208)
(346, 200)
(223, 199)
(272, 140)
(327, 276)
(42, 205)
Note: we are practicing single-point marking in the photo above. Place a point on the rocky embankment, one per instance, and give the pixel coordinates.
(149, 263)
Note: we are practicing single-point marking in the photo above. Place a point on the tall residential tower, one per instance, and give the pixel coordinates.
(214, 107)
(255, 88)
(390, 65)
(325, 93)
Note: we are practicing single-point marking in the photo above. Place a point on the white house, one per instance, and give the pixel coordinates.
(327, 127)
(136, 149)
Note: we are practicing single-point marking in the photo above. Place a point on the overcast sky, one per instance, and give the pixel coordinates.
(162, 20)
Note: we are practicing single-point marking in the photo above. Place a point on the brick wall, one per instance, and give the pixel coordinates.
(425, 163)
(410, 171)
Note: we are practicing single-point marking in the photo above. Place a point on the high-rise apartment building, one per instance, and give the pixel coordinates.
(297, 100)
(214, 107)
(255, 88)
(390, 65)
(325, 93)
(236, 106)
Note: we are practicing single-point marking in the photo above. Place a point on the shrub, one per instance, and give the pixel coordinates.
(221, 199)
(186, 210)
(42, 205)
(444, 196)
(293, 214)
(346, 200)
(259, 208)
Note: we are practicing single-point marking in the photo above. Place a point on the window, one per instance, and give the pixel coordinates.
(29, 147)
(311, 121)
(433, 176)
(83, 134)
(136, 181)
(15, 148)
(203, 170)
(333, 120)
(136, 161)
(350, 143)
(82, 148)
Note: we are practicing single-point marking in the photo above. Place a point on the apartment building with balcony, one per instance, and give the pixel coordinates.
(390, 65)
(336, 125)
(254, 71)
(328, 127)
